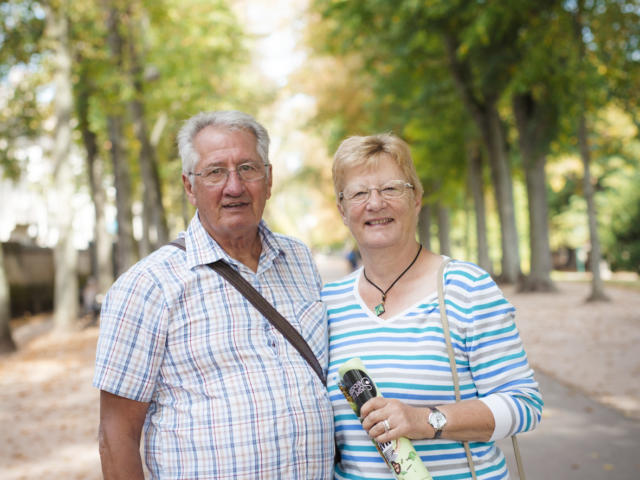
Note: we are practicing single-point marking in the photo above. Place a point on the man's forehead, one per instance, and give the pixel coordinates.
(222, 131)
(222, 143)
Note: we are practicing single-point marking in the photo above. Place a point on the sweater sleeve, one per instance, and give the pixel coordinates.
(501, 372)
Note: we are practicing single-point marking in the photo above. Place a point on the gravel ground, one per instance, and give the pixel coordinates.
(592, 346)
(49, 410)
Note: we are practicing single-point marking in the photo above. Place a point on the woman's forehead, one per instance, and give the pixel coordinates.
(382, 169)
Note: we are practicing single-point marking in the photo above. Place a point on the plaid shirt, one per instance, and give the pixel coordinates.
(229, 396)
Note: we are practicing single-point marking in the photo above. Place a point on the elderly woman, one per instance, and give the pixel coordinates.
(387, 313)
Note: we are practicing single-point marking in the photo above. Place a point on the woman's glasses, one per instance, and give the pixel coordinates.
(358, 194)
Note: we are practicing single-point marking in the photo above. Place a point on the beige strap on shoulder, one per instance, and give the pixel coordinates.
(454, 372)
(452, 361)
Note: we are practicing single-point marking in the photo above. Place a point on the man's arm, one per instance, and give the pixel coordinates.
(121, 422)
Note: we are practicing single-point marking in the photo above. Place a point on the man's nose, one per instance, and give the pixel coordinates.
(234, 184)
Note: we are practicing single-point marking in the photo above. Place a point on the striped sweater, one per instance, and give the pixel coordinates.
(406, 356)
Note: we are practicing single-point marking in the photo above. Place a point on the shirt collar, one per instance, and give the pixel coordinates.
(202, 249)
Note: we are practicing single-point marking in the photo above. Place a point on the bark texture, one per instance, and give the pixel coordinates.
(477, 193)
(65, 300)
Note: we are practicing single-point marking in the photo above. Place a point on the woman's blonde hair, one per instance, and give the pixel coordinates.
(367, 152)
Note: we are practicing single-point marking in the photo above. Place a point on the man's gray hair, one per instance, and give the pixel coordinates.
(224, 119)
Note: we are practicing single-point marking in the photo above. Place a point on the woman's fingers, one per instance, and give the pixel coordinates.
(375, 403)
(373, 414)
(388, 419)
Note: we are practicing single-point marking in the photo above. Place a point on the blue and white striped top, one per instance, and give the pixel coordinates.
(406, 356)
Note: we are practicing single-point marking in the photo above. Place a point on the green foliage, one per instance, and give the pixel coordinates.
(185, 56)
(410, 90)
(21, 33)
(621, 243)
(21, 29)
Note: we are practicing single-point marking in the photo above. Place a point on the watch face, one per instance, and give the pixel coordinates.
(437, 419)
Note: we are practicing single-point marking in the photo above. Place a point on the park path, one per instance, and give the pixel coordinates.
(586, 356)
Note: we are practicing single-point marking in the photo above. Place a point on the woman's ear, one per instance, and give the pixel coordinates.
(342, 213)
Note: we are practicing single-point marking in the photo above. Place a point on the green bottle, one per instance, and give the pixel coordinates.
(401, 458)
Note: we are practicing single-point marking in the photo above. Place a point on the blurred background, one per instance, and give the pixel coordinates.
(523, 118)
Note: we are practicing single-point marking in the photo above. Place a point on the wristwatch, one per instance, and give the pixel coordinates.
(437, 420)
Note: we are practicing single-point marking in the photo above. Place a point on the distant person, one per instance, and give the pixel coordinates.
(220, 392)
(387, 314)
(90, 300)
(353, 257)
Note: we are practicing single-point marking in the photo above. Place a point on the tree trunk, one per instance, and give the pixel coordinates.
(487, 119)
(444, 230)
(65, 301)
(534, 143)
(7, 344)
(493, 135)
(125, 252)
(477, 193)
(155, 231)
(597, 285)
(102, 241)
(424, 226)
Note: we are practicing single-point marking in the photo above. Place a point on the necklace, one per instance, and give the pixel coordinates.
(379, 309)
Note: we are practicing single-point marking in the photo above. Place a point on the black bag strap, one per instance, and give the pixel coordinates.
(264, 307)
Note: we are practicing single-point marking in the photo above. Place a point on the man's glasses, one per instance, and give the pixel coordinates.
(248, 172)
(359, 194)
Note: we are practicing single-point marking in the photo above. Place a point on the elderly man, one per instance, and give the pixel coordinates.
(219, 391)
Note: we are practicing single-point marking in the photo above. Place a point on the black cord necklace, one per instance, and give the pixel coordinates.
(379, 309)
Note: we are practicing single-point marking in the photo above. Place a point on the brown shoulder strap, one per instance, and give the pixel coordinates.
(264, 307)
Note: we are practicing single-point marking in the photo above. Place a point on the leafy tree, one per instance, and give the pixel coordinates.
(624, 250)
(539, 99)
(588, 84)
(21, 28)
(615, 41)
(65, 303)
(476, 44)
(168, 42)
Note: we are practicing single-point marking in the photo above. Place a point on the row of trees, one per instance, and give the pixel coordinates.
(508, 84)
(110, 81)
(481, 91)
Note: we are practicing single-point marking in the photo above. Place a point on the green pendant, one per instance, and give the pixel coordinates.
(379, 309)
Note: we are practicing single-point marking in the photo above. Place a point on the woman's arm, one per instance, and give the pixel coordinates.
(469, 420)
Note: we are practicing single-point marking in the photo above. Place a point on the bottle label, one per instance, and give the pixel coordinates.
(357, 387)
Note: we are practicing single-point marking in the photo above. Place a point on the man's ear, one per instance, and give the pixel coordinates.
(188, 188)
(269, 183)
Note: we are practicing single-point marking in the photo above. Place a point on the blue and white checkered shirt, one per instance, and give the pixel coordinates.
(230, 396)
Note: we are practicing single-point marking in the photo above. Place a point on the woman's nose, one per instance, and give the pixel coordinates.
(375, 198)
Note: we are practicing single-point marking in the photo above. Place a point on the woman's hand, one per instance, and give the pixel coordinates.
(403, 420)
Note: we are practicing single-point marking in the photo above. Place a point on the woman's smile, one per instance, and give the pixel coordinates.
(378, 221)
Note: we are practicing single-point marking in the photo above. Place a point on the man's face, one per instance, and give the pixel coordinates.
(230, 211)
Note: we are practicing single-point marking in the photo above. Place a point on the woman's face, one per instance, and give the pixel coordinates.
(379, 222)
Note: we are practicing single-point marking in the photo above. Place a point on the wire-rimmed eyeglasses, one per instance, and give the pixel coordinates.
(358, 194)
(248, 172)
